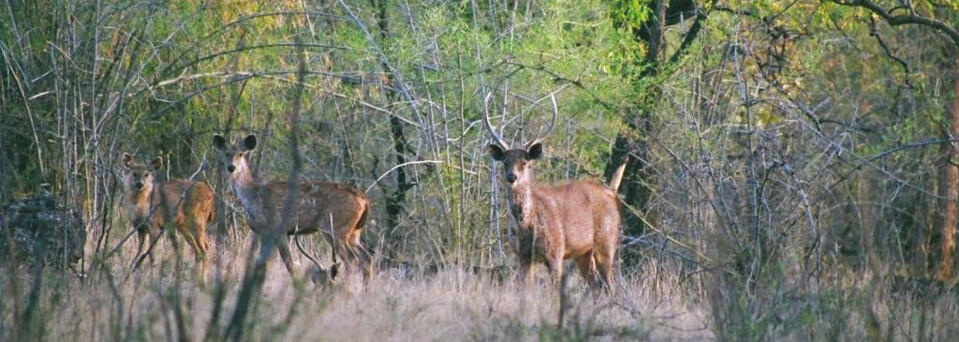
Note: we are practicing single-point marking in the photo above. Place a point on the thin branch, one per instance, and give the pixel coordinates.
(560, 78)
(874, 31)
(397, 78)
(903, 19)
(690, 37)
(399, 166)
(171, 70)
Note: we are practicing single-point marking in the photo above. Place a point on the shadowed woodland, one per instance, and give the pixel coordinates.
(792, 167)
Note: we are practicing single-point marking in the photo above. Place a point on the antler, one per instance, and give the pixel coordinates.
(552, 121)
(499, 140)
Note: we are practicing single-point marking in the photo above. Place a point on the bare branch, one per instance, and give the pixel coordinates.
(903, 19)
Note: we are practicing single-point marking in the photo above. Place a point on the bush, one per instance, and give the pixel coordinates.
(40, 230)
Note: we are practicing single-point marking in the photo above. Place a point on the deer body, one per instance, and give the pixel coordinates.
(544, 207)
(186, 205)
(316, 203)
(316, 206)
(576, 220)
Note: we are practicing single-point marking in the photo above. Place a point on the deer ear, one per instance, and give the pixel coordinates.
(219, 142)
(496, 152)
(156, 163)
(534, 152)
(249, 143)
(126, 158)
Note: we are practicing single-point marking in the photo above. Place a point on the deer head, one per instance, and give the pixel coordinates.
(236, 158)
(138, 176)
(517, 163)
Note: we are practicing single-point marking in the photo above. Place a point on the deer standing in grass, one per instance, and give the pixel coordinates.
(184, 204)
(338, 210)
(576, 220)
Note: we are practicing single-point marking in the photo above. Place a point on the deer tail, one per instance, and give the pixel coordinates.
(366, 211)
(618, 175)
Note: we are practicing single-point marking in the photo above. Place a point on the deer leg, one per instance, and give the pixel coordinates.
(186, 230)
(154, 240)
(172, 230)
(604, 256)
(526, 273)
(587, 267)
(555, 264)
(142, 239)
(204, 247)
(194, 236)
(364, 262)
(364, 258)
(201, 242)
(283, 246)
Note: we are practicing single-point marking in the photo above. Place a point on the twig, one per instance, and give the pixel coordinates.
(903, 19)
(399, 166)
(397, 78)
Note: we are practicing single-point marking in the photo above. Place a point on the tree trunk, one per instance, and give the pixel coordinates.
(950, 186)
(634, 187)
(396, 200)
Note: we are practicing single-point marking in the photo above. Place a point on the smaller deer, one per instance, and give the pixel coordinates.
(338, 210)
(576, 220)
(184, 204)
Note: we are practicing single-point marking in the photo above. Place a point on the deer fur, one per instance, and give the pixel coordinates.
(576, 220)
(186, 205)
(318, 204)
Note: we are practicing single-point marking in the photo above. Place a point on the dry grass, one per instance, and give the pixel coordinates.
(397, 306)
(159, 303)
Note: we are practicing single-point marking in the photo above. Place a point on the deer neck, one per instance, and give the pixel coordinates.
(140, 200)
(521, 204)
(246, 189)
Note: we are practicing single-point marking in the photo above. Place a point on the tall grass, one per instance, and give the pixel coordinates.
(163, 301)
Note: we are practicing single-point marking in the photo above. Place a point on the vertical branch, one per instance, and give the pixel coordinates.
(950, 186)
(752, 178)
(634, 143)
(396, 200)
(231, 113)
(256, 273)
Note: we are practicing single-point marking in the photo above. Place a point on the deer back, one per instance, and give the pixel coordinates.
(314, 204)
(179, 200)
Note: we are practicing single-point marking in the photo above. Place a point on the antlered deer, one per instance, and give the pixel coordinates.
(576, 220)
(184, 204)
(338, 210)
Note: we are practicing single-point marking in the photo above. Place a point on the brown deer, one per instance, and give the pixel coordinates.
(181, 203)
(576, 220)
(338, 210)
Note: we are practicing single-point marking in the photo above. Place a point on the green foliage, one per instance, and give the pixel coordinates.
(629, 15)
